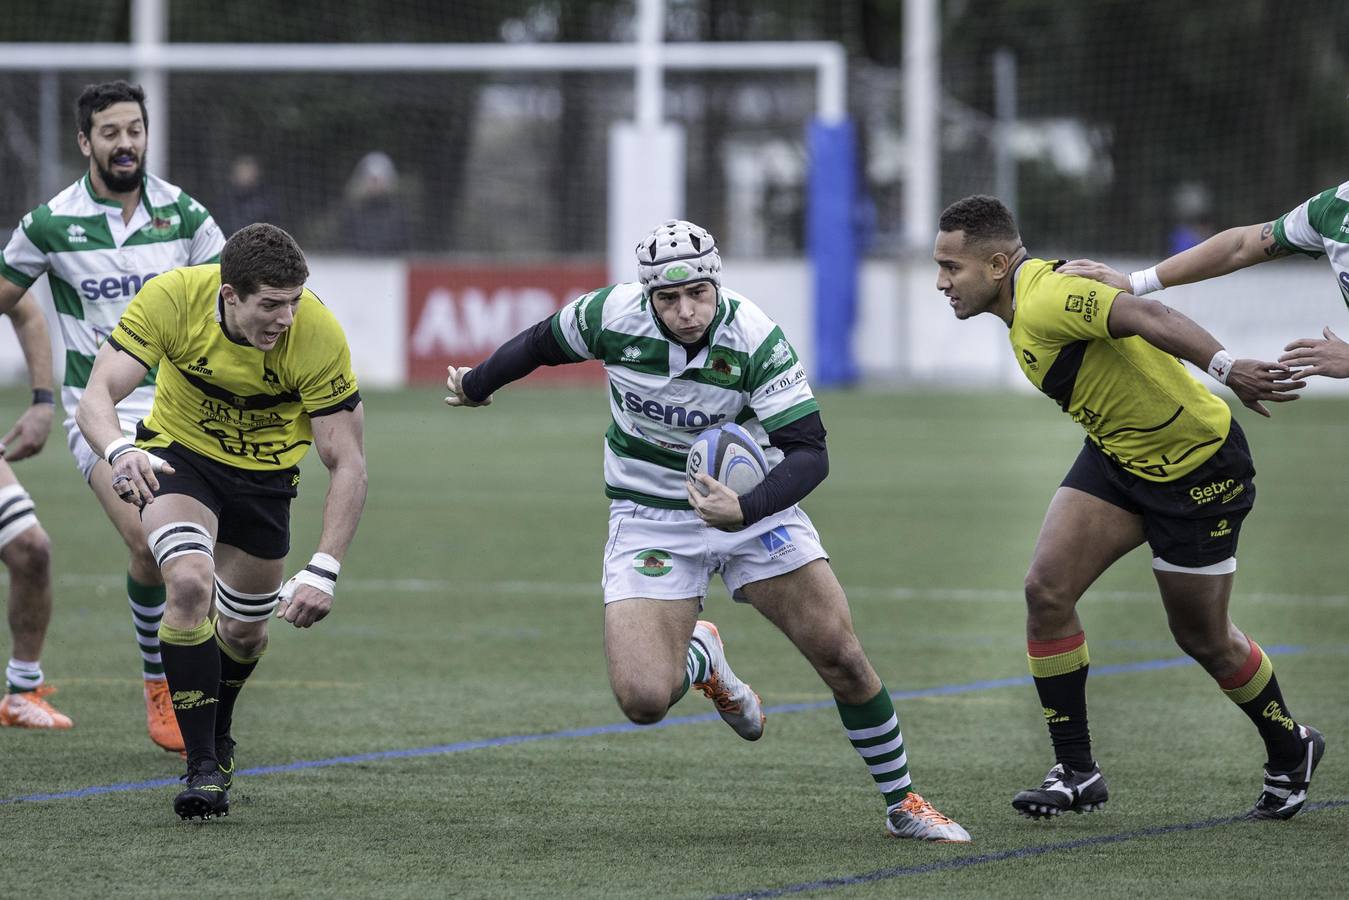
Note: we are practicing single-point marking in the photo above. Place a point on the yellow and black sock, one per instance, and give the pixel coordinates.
(1059, 668)
(1255, 690)
(192, 666)
(234, 671)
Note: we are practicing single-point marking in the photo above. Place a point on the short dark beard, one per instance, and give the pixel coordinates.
(121, 184)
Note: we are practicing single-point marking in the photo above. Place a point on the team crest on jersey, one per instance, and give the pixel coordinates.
(160, 226)
(722, 367)
(652, 563)
(1031, 362)
(1074, 303)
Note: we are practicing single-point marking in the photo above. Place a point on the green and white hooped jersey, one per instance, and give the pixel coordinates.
(97, 263)
(661, 400)
(1321, 225)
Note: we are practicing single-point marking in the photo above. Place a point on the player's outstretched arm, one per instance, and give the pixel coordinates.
(1252, 380)
(455, 383)
(1227, 251)
(339, 439)
(1312, 356)
(116, 374)
(30, 432)
(535, 346)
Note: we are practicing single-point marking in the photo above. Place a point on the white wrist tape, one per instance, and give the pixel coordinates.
(123, 445)
(1220, 366)
(1144, 281)
(321, 573)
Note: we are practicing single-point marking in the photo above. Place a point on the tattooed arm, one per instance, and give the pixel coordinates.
(1227, 251)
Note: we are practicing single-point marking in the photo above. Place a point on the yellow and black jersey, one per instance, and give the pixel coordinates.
(226, 399)
(1138, 404)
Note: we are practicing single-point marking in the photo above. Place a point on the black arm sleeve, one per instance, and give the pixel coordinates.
(802, 469)
(535, 346)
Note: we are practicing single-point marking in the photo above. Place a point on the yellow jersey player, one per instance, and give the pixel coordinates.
(97, 241)
(1163, 462)
(252, 369)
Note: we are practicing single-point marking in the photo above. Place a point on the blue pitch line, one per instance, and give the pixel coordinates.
(1019, 853)
(617, 728)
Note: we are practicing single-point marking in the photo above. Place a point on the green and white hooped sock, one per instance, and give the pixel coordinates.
(147, 610)
(873, 729)
(23, 676)
(696, 667)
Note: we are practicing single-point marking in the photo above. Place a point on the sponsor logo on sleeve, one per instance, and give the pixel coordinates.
(337, 388)
(787, 380)
(1088, 307)
(781, 355)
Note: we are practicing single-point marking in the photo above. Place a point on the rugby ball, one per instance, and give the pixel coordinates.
(730, 455)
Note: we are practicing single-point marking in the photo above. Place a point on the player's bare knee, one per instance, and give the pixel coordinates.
(245, 639)
(1209, 650)
(844, 667)
(189, 582)
(24, 545)
(642, 707)
(28, 555)
(142, 565)
(1047, 598)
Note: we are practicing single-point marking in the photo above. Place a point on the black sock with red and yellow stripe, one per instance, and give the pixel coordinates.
(1059, 668)
(1255, 690)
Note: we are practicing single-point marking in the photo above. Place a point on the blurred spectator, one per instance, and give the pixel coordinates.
(1192, 209)
(248, 199)
(374, 219)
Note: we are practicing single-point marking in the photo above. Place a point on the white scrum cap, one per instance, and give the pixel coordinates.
(677, 252)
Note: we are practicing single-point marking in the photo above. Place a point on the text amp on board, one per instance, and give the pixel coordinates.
(457, 315)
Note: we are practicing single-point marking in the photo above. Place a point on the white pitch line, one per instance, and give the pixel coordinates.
(582, 589)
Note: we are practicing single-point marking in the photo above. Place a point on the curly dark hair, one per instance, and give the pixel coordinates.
(97, 97)
(261, 254)
(984, 219)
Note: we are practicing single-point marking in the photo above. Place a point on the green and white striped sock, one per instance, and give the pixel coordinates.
(147, 609)
(696, 667)
(23, 676)
(873, 728)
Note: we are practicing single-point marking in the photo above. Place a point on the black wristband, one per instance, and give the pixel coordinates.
(43, 395)
(322, 573)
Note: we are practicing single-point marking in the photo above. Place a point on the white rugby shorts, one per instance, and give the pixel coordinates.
(670, 554)
(135, 407)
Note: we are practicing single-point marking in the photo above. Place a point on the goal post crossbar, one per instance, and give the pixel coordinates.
(825, 58)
